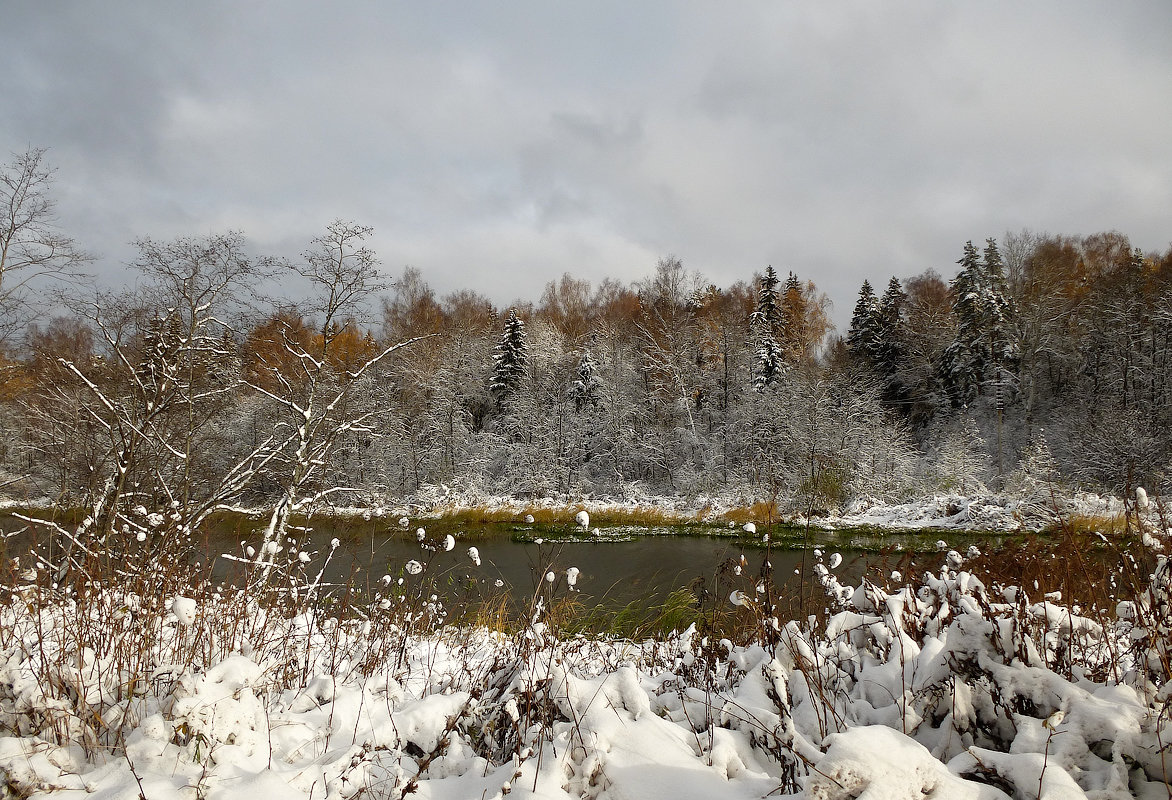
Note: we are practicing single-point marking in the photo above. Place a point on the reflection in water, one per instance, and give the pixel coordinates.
(610, 573)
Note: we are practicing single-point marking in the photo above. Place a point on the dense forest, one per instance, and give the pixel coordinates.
(1037, 360)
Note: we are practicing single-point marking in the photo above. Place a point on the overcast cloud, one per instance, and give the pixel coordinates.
(497, 145)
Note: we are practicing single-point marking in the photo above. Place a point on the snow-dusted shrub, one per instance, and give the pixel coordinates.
(952, 684)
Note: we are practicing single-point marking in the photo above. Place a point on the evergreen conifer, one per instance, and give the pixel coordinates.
(510, 357)
(584, 390)
(768, 311)
(891, 355)
(863, 340)
(985, 353)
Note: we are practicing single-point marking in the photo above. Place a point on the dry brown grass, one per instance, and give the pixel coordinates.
(761, 512)
(1095, 561)
(1112, 525)
(545, 515)
(493, 613)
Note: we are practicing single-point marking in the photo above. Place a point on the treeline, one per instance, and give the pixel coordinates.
(1045, 359)
(1056, 345)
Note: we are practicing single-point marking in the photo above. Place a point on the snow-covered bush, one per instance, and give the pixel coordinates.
(954, 684)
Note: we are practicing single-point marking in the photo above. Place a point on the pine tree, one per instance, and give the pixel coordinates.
(864, 338)
(509, 358)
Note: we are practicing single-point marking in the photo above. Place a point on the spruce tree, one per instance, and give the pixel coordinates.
(770, 362)
(584, 391)
(157, 365)
(964, 361)
(984, 356)
(769, 358)
(1004, 351)
(793, 319)
(510, 357)
(962, 460)
(1036, 475)
(863, 340)
(1135, 264)
(891, 354)
(768, 311)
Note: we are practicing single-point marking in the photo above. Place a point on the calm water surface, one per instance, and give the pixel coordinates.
(611, 572)
(625, 564)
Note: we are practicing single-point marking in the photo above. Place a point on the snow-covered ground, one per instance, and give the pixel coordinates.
(945, 688)
(989, 512)
(959, 512)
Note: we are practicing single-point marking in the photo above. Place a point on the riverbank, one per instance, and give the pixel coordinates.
(870, 516)
(987, 513)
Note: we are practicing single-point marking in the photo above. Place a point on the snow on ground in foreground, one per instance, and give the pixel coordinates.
(945, 689)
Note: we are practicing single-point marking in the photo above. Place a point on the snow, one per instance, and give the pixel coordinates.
(472, 713)
(940, 511)
(739, 598)
(184, 609)
(940, 688)
(879, 763)
(967, 512)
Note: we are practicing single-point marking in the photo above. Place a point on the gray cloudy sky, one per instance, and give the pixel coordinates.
(496, 145)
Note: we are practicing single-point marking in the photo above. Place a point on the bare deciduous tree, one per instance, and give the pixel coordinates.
(31, 247)
(312, 384)
(166, 367)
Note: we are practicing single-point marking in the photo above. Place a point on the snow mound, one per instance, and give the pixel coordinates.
(879, 763)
